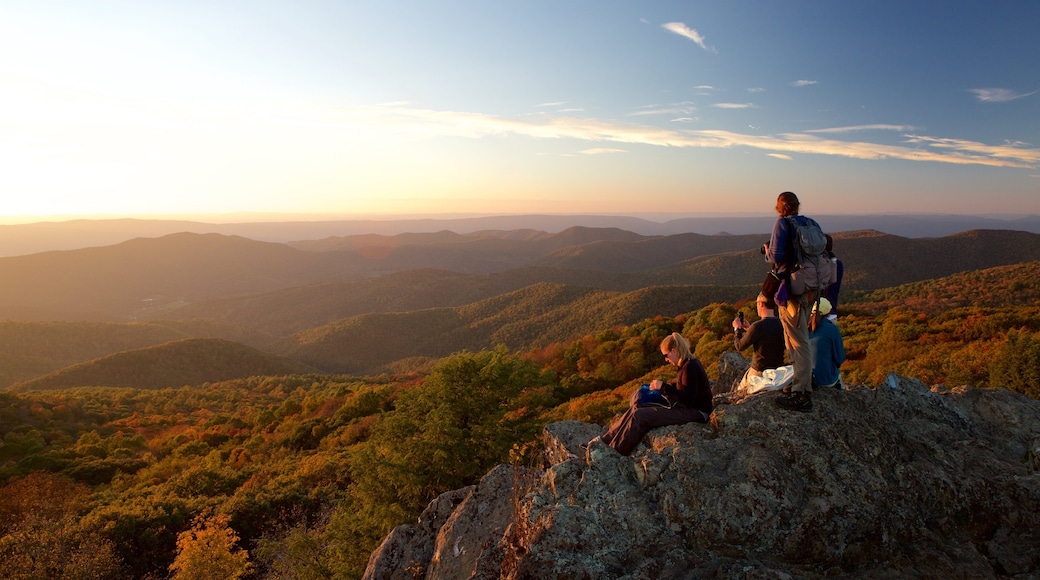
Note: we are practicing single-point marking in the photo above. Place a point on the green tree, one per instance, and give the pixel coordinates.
(444, 434)
(1017, 364)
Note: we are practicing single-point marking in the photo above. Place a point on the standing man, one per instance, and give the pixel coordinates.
(794, 312)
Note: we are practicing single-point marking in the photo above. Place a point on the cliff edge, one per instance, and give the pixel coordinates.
(898, 480)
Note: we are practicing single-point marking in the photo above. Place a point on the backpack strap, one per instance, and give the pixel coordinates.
(790, 249)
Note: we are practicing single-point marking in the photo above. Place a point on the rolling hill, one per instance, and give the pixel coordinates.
(533, 316)
(328, 309)
(153, 278)
(31, 349)
(173, 364)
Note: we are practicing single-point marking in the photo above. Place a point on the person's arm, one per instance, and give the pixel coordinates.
(775, 253)
(744, 338)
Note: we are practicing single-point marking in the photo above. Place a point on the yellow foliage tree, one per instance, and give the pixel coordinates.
(208, 551)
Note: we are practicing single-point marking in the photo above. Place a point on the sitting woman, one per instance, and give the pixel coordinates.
(690, 397)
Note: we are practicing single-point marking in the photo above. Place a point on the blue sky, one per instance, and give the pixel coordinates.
(333, 109)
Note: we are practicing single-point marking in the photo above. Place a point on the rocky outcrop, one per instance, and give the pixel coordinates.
(898, 480)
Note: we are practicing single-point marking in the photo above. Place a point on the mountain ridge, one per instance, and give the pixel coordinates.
(151, 278)
(31, 238)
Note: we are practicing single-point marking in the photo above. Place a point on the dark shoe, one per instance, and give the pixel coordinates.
(795, 401)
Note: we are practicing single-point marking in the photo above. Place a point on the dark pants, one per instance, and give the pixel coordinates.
(629, 430)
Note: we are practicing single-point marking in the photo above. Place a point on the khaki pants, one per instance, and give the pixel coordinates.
(795, 319)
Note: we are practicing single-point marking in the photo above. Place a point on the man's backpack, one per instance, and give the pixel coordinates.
(811, 267)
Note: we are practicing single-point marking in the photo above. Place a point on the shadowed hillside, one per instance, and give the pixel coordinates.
(174, 364)
(31, 349)
(533, 316)
(866, 254)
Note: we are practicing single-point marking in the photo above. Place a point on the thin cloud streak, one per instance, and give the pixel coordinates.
(476, 125)
(999, 95)
(601, 151)
(734, 106)
(674, 109)
(685, 31)
(878, 127)
(802, 83)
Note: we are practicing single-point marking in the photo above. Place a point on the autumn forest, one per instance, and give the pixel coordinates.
(283, 433)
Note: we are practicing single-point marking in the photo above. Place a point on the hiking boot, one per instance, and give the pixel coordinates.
(795, 401)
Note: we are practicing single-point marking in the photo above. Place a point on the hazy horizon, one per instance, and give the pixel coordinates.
(259, 218)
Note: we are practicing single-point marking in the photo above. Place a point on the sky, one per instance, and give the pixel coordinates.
(264, 110)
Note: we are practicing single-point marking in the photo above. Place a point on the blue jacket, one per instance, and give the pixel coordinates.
(828, 351)
(779, 253)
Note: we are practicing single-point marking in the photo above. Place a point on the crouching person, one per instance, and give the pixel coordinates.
(688, 399)
(827, 347)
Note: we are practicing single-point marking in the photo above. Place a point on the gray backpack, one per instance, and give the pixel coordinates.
(811, 266)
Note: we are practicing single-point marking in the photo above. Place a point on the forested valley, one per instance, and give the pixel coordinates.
(301, 475)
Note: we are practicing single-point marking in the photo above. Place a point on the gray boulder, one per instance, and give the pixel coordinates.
(898, 480)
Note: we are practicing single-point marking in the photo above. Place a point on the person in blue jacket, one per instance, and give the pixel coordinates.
(828, 348)
(794, 312)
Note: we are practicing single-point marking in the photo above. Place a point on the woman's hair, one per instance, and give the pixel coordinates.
(787, 204)
(678, 342)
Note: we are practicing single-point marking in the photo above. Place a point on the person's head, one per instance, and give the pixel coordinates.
(830, 242)
(764, 305)
(787, 204)
(823, 308)
(676, 348)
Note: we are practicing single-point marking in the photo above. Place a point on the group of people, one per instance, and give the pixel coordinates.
(805, 329)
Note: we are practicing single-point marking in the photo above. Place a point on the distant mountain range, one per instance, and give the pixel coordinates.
(359, 304)
(31, 238)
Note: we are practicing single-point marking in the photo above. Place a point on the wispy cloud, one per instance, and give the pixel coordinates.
(802, 83)
(850, 129)
(756, 90)
(705, 88)
(780, 156)
(684, 108)
(475, 125)
(683, 30)
(734, 106)
(601, 151)
(552, 104)
(999, 95)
